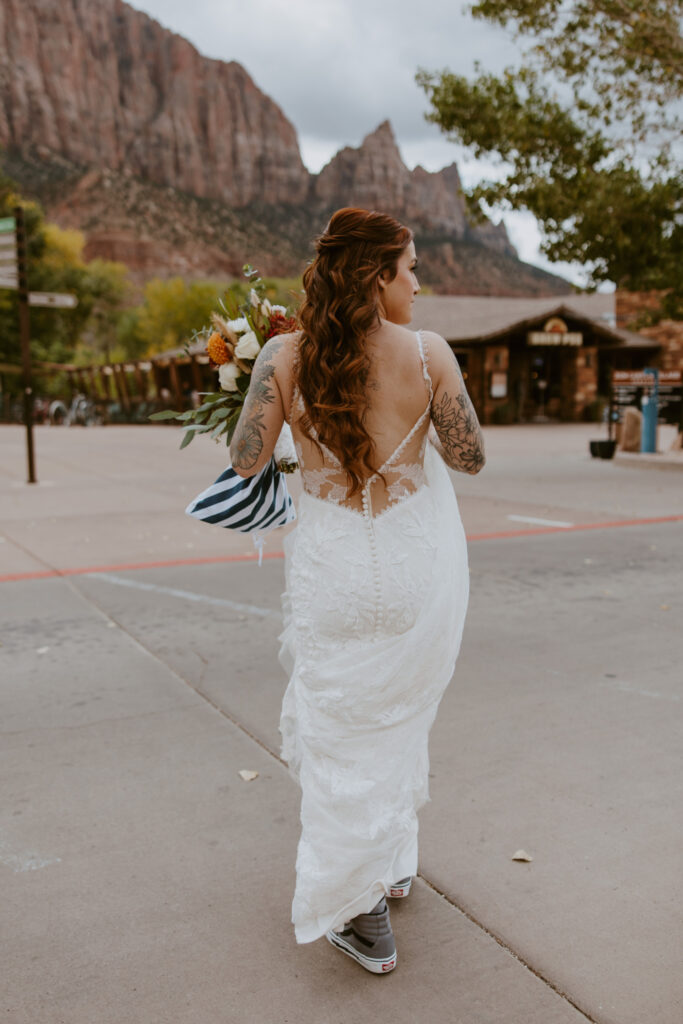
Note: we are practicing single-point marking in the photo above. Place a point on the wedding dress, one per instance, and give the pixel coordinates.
(374, 608)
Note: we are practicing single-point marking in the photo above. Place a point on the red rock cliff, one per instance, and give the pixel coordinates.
(100, 84)
(375, 177)
(179, 164)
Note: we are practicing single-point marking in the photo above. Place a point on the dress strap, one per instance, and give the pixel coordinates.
(425, 370)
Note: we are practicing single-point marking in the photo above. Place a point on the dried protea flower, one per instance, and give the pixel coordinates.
(280, 324)
(217, 350)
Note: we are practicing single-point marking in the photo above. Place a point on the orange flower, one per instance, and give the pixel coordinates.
(280, 324)
(217, 349)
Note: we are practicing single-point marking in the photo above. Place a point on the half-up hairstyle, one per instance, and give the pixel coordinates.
(341, 307)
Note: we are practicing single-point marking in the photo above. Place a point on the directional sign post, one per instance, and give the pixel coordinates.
(13, 274)
(56, 300)
(8, 253)
(25, 337)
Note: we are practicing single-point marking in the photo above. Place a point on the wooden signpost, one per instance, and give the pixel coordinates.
(25, 338)
(14, 274)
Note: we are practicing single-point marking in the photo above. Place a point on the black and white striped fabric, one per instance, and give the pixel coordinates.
(249, 504)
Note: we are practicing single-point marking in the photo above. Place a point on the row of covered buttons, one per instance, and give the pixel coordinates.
(374, 554)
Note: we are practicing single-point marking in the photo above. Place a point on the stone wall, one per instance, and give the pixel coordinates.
(669, 333)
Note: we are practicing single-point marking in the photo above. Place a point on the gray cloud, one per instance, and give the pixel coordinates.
(338, 68)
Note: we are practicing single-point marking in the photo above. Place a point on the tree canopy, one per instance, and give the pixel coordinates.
(586, 133)
(114, 320)
(56, 264)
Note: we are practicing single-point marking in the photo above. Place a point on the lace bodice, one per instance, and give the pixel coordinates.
(324, 477)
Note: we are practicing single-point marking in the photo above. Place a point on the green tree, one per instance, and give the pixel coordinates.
(586, 133)
(108, 290)
(130, 343)
(173, 309)
(55, 264)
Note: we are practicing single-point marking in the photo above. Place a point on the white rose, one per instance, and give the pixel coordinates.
(239, 325)
(279, 309)
(253, 298)
(247, 347)
(227, 375)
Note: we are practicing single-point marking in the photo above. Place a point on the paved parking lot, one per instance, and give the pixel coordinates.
(142, 880)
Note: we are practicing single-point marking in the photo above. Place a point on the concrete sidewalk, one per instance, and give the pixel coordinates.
(651, 460)
(115, 495)
(143, 881)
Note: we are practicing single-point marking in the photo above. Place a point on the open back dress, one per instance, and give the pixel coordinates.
(374, 608)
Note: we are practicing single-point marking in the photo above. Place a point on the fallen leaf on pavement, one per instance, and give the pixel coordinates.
(522, 855)
(247, 775)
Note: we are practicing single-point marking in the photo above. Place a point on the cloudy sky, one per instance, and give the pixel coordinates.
(338, 68)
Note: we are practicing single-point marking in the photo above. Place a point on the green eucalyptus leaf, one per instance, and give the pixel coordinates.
(218, 430)
(167, 414)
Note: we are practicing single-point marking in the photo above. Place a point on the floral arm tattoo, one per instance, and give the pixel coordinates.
(247, 442)
(458, 430)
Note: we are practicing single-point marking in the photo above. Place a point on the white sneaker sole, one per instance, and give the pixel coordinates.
(399, 892)
(375, 966)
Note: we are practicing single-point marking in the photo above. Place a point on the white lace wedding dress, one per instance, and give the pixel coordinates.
(374, 608)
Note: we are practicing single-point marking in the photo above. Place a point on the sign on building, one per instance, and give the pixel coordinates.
(630, 386)
(555, 332)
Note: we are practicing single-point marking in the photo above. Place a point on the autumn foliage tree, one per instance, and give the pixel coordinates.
(586, 133)
(55, 264)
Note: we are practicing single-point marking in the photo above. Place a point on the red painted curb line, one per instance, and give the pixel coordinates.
(575, 528)
(130, 567)
(216, 560)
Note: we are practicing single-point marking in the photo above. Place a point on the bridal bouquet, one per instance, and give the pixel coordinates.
(233, 341)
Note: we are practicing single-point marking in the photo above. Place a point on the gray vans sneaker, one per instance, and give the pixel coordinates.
(368, 938)
(399, 890)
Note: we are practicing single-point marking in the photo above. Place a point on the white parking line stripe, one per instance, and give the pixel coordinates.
(539, 522)
(630, 688)
(23, 860)
(186, 595)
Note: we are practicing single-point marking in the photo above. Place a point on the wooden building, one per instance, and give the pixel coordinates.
(536, 358)
(524, 359)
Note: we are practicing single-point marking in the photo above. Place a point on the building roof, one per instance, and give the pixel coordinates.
(481, 318)
(471, 318)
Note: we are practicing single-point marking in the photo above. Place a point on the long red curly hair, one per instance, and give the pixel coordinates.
(340, 308)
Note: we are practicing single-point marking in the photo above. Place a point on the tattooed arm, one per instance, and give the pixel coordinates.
(262, 416)
(458, 437)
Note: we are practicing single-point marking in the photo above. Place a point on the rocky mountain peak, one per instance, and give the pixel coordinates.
(101, 84)
(383, 135)
(373, 176)
(176, 163)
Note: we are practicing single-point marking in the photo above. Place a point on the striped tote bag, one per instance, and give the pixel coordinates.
(254, 504)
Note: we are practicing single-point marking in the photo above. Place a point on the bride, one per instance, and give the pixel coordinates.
(376, 570)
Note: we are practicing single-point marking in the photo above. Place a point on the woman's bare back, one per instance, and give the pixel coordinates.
(399, 394)
(397, 406)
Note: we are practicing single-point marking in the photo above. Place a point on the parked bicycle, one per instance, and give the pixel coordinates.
(82, 412)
